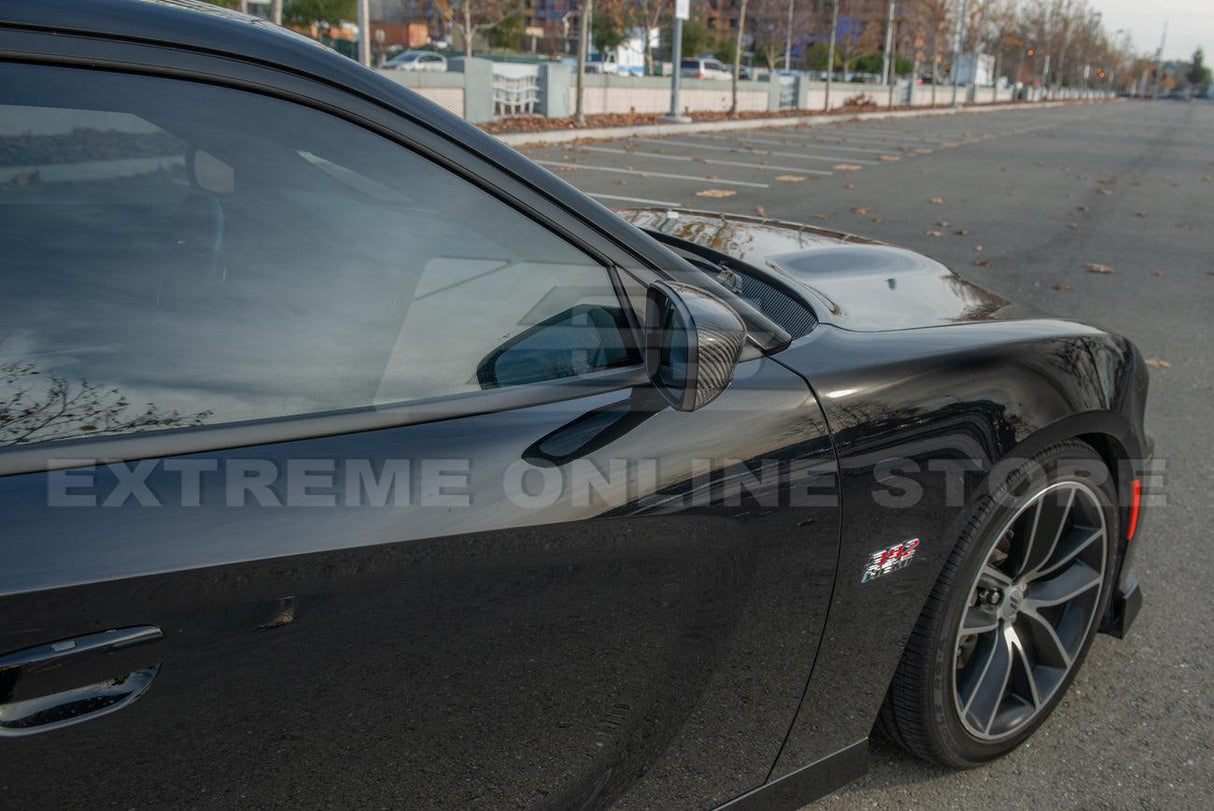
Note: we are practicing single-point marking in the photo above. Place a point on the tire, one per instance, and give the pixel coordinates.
(942, 703)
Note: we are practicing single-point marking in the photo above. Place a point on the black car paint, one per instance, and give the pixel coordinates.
(638, 651)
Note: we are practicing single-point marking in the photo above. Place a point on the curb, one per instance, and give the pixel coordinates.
(607, 133)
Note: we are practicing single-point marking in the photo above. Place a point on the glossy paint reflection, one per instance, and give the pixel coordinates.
(483, 655)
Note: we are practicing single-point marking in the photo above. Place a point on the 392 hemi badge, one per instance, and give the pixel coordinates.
(890, 559)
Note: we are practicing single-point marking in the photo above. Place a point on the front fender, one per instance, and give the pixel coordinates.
(920, 418)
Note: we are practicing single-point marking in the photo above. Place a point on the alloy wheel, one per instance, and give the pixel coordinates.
(1030, 610)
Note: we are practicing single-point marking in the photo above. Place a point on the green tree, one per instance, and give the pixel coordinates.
(696, 38)
(1198, 74)
(306, 12)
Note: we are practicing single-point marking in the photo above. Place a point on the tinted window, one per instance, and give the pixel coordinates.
(178, 254)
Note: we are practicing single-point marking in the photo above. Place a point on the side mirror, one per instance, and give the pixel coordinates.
(692, 344)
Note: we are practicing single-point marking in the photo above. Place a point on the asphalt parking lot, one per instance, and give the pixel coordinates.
(1022, 202)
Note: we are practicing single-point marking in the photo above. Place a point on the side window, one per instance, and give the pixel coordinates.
(177, 254)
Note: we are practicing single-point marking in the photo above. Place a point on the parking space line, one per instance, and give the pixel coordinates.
(707, 162)
(836, 159)
(873, 149)
(634, 199)
(666, 175)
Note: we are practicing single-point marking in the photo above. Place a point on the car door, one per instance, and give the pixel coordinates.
(332, 476)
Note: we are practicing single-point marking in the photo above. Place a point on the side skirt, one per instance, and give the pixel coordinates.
(807, 783)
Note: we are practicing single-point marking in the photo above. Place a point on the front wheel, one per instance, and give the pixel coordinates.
(1013, 612)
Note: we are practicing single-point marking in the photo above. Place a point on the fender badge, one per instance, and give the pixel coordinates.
(890, 559)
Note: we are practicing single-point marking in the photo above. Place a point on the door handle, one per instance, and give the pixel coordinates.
(72, 680)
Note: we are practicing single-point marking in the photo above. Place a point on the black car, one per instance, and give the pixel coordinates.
(349, 457)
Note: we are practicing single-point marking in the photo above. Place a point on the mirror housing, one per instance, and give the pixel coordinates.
(692, 344)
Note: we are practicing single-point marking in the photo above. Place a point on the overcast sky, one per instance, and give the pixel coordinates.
(1191, 23)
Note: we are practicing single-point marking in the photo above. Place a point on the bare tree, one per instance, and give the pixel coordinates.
(37, 407)
(472, 17)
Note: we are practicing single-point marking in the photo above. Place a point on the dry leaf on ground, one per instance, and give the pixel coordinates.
(861, 210)
(1096, 267)
(982, 262)
(1156, 363)
(762, 212)
(846, 167)
(961, 232)
(790, 178)
(1063, 287)
(715, 193)
(936, 201)
(933, 233)
(1105, 192)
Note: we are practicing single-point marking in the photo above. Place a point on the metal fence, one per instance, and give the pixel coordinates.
(788, 91)
(516, 89)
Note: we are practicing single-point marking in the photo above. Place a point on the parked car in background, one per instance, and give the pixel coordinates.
(705, 68)
(418, 60)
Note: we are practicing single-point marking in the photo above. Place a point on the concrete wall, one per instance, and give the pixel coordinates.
(468, 91)
(444, 89)
(651, 94)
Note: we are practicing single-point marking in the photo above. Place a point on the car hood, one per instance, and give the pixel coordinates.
(851, 282)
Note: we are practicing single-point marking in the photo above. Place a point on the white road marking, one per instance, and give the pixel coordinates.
(666, 175)
(713, 162)
(826, 144)
(743, 150)
(634, 199)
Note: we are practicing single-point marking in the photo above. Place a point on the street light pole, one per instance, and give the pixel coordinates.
(364, 33)
(788, 40)
(682, 11)
(830, 51)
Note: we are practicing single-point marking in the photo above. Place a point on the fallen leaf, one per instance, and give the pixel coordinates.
(878, 219)
(846, 167)
(620, 182)
(923, 151)
(715, 193)
(790, 178)
(949, 144)
(1140, 213)
(1156, 363)
(762, 212)
(859, 210)
(823, 217)
(936, 201)
(1105, 192)
(1074, 226)
(700, 160)
(1082, 208)
(1156, 272)
(978, 247)
(711, 177)
(850, 186)
(933, 233)
(982, 262)
(1063, 287)
(1096, 267)
(890, 158)
(1184, 226)
(961, 232)
(944, 223)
